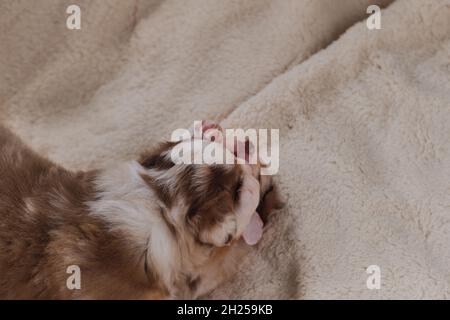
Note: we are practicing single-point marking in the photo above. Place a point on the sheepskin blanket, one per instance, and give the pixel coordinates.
(364, 120)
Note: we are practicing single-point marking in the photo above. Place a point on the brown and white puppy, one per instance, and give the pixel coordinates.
(146, 229)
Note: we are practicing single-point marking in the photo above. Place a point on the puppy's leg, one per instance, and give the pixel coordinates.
(207, 130)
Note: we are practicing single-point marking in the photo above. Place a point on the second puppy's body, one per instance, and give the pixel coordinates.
(139, 230)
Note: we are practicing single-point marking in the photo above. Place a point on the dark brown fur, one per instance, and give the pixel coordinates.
(45, 227)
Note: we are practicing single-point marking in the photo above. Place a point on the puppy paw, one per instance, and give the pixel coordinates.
(209, 124)
(207, 130)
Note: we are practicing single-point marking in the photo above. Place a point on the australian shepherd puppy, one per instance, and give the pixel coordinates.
(146, 229)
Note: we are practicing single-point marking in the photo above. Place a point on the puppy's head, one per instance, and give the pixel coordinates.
(212, 203)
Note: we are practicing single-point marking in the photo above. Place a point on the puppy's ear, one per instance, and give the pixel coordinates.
(158, 157)
(270, 202)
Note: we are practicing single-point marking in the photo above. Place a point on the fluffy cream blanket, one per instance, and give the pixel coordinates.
(364, 120)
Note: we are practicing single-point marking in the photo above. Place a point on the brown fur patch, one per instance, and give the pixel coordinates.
(46, 226)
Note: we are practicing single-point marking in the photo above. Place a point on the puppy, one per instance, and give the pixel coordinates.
(147, 229)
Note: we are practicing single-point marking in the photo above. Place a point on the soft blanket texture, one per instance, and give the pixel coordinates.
(364, 120)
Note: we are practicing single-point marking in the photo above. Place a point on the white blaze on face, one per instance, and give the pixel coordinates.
(249, 223)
